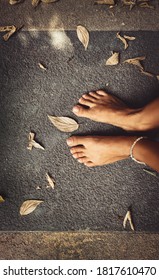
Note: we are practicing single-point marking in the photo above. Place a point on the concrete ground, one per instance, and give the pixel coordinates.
(84, 199)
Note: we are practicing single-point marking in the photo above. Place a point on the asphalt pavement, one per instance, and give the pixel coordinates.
(84, 198)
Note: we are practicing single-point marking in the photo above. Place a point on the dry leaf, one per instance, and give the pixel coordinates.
(1, 199)
(13, 2)
(5, 28)
(64, 123)
(42, 66)
(11, 30)
(10, 33)
(51, 181)
(29, 206)
(83, 35)
(33, 143)
(130, 38)
(123, 40)
(147, 73)
(129, 2)
(105, 2)
(128, 218)
(113, 60)
(48, 1)
(136, 61)
(146, 5)
(35, 3)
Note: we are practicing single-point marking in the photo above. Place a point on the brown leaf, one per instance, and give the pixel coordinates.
(1, 199)
(129, 219)
(130, 38)
(147, 73)
(42, 66)
(136, 61)
(113, 60)
(33, 143)
(64, 123)
(29, 206)
(49, 1)
(10, 33)
(35, 3)
(105, 2)
(83, 35)
(51, 181)
(123, 40)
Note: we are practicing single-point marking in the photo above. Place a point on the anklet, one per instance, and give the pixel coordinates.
(131, 150)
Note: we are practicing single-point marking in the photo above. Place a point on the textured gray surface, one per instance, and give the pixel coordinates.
(97, 198)
(67, 14)
(79, 246)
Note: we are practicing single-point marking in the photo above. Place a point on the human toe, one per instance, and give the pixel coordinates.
(80, 111)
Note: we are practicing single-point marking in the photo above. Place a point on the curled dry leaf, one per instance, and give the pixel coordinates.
(13, 2)
(35, 3)
(42, 66)
(11, 30)
(136, 61)
(105, 2)
(29, 206)
(147, 73)
(146, 5)
(1, 199)
(10, 33)
(123, 40)
(129, 219)
(64, 123)
(130, 38)
(113, 60)
(83, 35)
(33, 143)
(51, 181)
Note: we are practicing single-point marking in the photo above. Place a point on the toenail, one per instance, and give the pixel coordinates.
(69, 141)
(75, 109)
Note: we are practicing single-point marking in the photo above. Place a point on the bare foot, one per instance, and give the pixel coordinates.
(102, 107)
(100, 150)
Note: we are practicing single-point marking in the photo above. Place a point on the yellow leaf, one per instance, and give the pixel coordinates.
(50, 180)
(64, 123)
(83, 35)
(29, 206)
(1, 199)
(113, 60)
(129, 219)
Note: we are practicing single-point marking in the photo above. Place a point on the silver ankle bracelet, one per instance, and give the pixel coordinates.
(131, 150)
